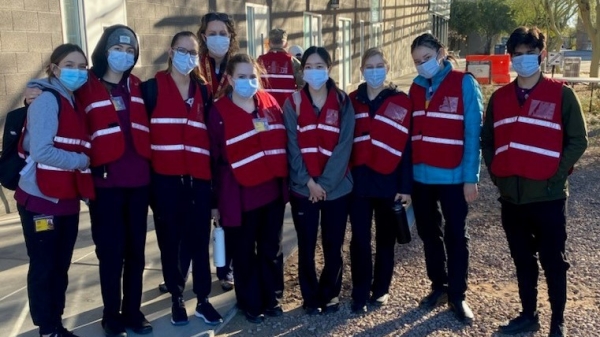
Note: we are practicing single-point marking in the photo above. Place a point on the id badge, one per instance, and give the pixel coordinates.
(43, 223)
(260, 124)
(118, 103)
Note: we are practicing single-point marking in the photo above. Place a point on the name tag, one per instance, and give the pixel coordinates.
(260, 124)
(43, 223)
(118, 103)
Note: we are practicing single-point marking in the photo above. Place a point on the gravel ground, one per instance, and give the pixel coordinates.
(492, 286)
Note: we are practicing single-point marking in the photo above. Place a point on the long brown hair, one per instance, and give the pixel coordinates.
(59, 54)
(243, 58)
(229, 23)
(196, 75)
(430, 41)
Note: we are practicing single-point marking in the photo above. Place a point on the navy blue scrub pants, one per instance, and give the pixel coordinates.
(119, 224)
(446, 246)
(532, 230)
(364, 278)
(183, 206)
(50, 254)
(333, 216)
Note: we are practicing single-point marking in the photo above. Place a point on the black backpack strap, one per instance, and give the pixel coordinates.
(150, 95)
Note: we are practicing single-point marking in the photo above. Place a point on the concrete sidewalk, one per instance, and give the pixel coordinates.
(84, 304)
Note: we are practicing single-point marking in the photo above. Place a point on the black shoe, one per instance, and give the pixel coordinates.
(311, 311)
(558, 330)
(226, 285)
(274, 312)
(63, 332)
(178, 313)
(138, 323)
(358, 307)
(462, 311)
(207, 312)
(521, 323)
(379, 301)
(113, 327)
(256, 319)
(435, 298)
(162, 287)
(331, 307)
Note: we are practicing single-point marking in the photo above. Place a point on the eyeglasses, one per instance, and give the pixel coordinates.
(216, 16)
(183, 51)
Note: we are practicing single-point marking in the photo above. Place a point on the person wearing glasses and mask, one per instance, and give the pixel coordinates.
(218, 42)
(382, 172)
(447, 113)
(177, 100)
(534, 132)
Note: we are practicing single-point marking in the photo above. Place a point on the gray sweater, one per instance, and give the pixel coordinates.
(336, 179)
(42, 126)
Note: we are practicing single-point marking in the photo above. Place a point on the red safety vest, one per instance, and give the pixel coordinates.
(178, 135)
(279, 80)
(255, 150)
(318, 135)
(208, 72)
(438, 125)
(71, 136)
(108, 142)
(380, 140)
(528, 140)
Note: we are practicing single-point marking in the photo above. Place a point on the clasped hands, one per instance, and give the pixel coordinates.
(317, 193)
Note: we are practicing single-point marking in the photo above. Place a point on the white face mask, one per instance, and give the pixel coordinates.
(218, 45)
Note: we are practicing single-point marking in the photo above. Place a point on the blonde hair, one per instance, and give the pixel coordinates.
(243, 58)
(373, 52)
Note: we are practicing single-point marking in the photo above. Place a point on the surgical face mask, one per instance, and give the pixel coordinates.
(429, 68)
(120, 61)
(184, 63)
(72, 79)
(375, 77)
(526, 65)
(245, 87)
(218, 45)
(316, 78)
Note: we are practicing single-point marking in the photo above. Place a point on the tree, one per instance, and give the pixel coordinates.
(586, 11)
(486, 17)
(558, 14)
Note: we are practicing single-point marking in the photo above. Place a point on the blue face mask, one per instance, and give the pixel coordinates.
(526, 65)
(72, 79)
(184, 63)
(245, 87)
(316, 78)
(120, 61)
(217, 44)
(375, 77)
(429, 68)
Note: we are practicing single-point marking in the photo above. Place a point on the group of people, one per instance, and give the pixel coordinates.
(214, 136)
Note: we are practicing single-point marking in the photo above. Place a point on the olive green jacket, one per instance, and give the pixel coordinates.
(520, 190)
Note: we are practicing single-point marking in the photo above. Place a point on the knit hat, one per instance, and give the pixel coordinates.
(296, 51)
(277, 35)
(122, 36)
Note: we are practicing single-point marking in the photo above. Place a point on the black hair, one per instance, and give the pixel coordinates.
(322, 52)
(430, 41)
(530, 37)
(100, 56)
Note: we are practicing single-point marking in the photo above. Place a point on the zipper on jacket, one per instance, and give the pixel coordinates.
(518, 190)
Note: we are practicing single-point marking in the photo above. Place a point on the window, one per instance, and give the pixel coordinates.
(376, 34)
(312, 30)
(376, 10)
(72, 18)
(257, 20)
(345, 52)
(362, 38)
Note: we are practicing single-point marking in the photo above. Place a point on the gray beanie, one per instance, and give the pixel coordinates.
(122, 36)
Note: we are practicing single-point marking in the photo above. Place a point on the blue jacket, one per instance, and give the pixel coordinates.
(468, 170)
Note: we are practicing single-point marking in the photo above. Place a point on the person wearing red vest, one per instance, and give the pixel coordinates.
(176, 100)
(534, 133)
(320, 123)
(218, 42)
(55, 179)
(382, 172)
(283, 71)
(248, 151)
(447, 112)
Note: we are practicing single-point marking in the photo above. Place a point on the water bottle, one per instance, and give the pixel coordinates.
(219, 246)
(402, 228)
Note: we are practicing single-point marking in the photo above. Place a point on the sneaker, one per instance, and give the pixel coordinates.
(63, 332)
(178, 313)
(113, 327)
(226, 285)
(332, 306)
(256, 319)
(162, 287)
(558, 330)
(434, 299)
(462, 312)
(311, 311)
(522, 323)
(138, 323)
(380, 301)
(358, 308)
(207, 312)
(274, 312)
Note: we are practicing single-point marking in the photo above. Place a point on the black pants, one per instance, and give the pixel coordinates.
(364, 279)
(50, 255)
(119, 231)
(443, 243)
(334, 215)
(532, 229)
(259, 258)
(182, 205)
